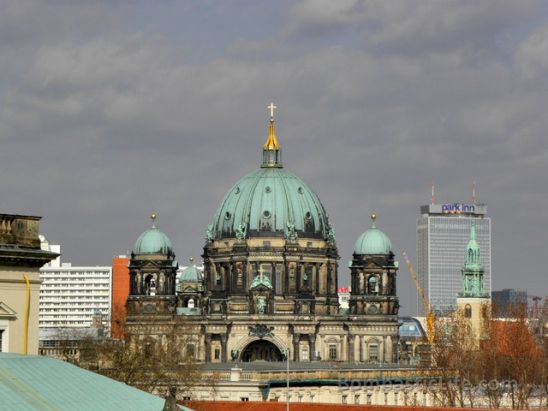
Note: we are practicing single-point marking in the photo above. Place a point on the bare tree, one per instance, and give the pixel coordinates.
(454, 354)
(151, 364)
(157, 359)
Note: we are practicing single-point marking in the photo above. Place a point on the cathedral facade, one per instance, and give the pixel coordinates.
(269, 284)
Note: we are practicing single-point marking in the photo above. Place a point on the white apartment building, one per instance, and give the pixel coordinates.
(69, 296)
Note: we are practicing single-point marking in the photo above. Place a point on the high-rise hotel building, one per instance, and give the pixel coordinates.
(70, 297)
(443, 230)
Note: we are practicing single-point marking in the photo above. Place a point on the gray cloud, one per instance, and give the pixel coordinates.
(412, 27)
(100, 126)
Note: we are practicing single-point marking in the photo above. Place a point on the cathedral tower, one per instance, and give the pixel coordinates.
(152, 271)
(373, 274)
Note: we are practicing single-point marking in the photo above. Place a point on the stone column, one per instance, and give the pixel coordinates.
(208, 348)
(362, 348)
(389, 356)
(351, 338)
(383, 353)
(296, 356)
(311, 346)
(224, 339)
(138, 283)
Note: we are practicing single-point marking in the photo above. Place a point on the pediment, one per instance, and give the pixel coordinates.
(260, 287)
(6, 311)
(373, 264)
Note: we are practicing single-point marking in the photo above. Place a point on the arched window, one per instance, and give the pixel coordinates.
(150, 284)
(467, 311)
(149, 347)
(373, 285)
(190, 351)
(190, 303)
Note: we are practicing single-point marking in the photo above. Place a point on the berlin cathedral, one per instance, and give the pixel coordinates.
(269, 283)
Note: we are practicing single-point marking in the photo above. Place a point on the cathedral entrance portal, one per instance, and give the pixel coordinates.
(261, 350)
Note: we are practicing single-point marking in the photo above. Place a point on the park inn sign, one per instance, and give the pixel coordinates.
(455, 208)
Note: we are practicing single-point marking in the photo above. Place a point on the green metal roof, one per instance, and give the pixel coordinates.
(264, 202)
(153, 241)
(29, 382)
(472, 271)
(191, 275)
(473, 260)
(373, 241)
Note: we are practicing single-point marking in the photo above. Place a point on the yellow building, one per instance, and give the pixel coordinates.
(20, 260)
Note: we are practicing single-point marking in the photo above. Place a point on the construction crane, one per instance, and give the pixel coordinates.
(430, 316)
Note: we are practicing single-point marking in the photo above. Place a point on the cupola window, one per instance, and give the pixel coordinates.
(373, 285)
(150, 285)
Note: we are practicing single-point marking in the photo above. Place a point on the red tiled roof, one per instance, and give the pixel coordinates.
(281, 406)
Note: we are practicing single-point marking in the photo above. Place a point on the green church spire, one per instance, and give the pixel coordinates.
(473, 250)
(472, 272)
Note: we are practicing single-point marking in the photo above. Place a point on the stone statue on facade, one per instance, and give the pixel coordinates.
(330, 234)
(291, 232)
(209, 233)
(241, 231)
(261, 331)
(261, 305)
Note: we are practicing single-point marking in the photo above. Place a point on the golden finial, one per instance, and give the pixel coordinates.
(373, 219)
(271, 141)
(153, 217)
(191, 259)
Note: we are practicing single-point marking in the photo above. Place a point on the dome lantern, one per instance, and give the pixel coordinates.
(272, 153)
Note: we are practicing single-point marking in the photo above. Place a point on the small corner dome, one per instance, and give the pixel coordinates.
(153, 241)
(373, 241)
(191, 274)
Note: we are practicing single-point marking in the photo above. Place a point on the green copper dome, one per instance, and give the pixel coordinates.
(270, 201)
(153, 241)
(191, 274)
(373, 241)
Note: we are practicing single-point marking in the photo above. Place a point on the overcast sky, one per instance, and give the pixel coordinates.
(111, 109)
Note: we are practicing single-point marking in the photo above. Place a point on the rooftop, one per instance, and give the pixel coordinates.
(32, 382)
